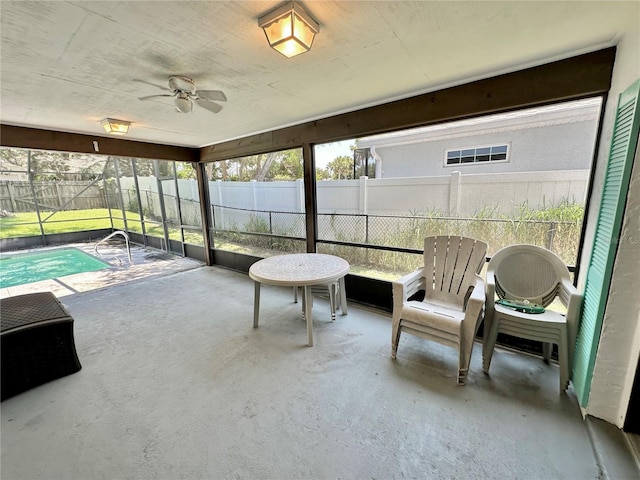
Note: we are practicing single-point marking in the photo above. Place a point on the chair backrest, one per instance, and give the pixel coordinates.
(452, 263)
(527, 272)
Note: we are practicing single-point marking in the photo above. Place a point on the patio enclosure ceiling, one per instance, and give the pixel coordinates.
(67, 65)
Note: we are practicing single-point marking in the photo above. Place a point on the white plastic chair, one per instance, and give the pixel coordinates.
(454, 298)
(536, 275)
(332, 288)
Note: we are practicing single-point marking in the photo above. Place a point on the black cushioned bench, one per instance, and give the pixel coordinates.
(37, 342)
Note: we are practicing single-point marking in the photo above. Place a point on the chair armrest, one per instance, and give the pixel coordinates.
(568, 292)
(490, 294)
(477, 299)
(478, 292)
(572, 299)
(474, 309)
(408, 285)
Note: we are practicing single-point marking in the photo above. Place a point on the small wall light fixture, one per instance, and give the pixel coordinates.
(289, 28)
(115, 127)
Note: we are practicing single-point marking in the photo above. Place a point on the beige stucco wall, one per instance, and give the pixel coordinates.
(619, 347)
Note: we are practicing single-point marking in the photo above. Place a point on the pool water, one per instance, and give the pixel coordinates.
(18, 269)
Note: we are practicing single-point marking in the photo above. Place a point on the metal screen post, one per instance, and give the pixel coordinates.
(206, 212)
(140, 210)
(117, 172)
(163, 211)
(175, 180)
(35, 198)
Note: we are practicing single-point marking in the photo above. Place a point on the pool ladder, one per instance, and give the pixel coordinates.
(126, 239)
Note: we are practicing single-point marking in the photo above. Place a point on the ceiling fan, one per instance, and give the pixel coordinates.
(185, 93)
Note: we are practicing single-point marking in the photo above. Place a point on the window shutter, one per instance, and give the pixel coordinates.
(608, 225)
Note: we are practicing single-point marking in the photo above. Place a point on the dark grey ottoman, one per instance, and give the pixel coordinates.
(37, 342)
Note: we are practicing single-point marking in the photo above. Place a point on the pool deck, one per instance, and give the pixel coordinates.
(146, 263)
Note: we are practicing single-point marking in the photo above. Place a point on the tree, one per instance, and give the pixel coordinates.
(288, 166)
(281, 165)
(263, 165)
(322, 174)
(340, 168)
(185, 171)
(88, 167)
(215, 170)
(50, 166)
(13, 159)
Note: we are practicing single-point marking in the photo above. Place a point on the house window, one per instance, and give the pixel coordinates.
(475, 155)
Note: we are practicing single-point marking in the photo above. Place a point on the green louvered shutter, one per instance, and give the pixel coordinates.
(614, 195)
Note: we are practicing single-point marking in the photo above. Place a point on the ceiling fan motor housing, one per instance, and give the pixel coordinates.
(182, 84)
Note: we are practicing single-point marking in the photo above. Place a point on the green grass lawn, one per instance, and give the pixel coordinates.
(26, 224)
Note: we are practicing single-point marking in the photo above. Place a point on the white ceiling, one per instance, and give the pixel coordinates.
(67, 65)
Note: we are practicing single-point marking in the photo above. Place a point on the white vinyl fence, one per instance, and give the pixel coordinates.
(453, 195)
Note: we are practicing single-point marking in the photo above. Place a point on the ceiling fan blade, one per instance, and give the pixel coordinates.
(209, 105)
(152, 84)
(212, 95)
(148, 97)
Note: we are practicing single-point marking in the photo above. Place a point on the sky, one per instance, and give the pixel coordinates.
(326, 152)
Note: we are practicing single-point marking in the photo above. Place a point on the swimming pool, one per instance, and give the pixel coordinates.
(18, 269)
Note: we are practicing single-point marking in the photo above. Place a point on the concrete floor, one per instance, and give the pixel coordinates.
(177, 384)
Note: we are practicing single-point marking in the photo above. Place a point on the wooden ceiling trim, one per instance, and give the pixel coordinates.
(577, 77)
(24, 137)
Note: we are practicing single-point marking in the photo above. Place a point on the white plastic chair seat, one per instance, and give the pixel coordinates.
(533, 321)
(438, 317)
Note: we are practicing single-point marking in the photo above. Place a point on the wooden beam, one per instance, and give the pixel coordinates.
(574, 78)
(23, 137)
(310, 200)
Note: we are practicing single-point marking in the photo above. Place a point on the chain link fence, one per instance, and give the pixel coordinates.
(393, 232)
(561, 237)
(259, 232)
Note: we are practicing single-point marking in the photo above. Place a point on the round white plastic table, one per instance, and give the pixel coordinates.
(299, 270)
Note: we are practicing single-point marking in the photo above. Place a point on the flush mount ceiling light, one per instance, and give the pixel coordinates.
(115, 127)
(289, 29)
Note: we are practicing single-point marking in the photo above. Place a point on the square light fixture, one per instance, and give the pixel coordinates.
(115, 127)
(289, 29)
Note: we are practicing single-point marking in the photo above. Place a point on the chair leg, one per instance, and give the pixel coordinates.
(564, 371)
(463, 365)
(306, 298)
(547, 348)
(563, 360)
(466, 350)
(488, 343)
(332, 300)
(337, 296)
(395, 337)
